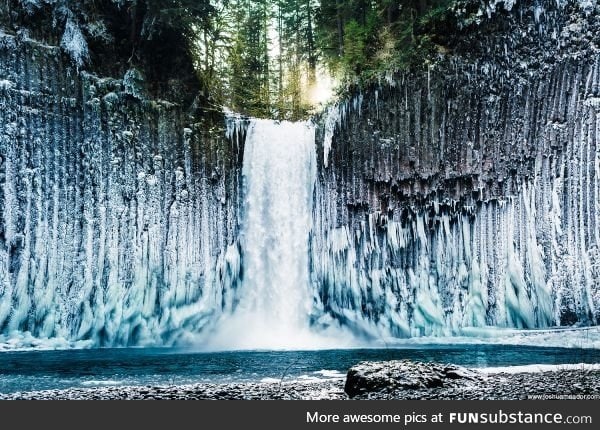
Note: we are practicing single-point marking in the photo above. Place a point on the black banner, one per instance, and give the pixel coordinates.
(535, 414)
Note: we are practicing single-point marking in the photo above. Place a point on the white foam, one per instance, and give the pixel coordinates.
(97, 383)
(270, 380)
(331, 374)
(322, 375)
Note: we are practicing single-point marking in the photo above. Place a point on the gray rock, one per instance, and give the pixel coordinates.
(404, 374)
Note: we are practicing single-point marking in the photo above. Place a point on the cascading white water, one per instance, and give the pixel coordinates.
(273, 304)
(279, 173)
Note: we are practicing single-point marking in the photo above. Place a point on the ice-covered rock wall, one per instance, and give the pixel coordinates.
(118, 215)
(464, 195)
(469, 194)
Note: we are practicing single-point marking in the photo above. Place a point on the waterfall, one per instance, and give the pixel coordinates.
(273, 303)
(279, 174)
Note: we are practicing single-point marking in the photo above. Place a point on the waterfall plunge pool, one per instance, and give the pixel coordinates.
(87, 368)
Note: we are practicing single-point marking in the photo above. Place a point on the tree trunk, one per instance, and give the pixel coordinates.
(340, 27)
(312, 58)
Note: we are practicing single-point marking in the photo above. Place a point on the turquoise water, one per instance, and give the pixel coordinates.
(39, 370)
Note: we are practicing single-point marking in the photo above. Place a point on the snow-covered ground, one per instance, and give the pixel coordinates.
(535, 368)
(581, 337)
(24, 341)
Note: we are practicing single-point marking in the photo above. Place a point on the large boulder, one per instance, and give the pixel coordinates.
(372, 376)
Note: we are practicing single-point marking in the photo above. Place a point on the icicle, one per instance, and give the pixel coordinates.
(333, 116)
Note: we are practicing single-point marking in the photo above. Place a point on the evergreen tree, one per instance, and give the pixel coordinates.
(249, 58)
(259, 57)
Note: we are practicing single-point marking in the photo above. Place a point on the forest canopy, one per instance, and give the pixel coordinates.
(265, 58)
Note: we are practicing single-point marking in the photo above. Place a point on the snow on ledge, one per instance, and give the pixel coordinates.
(567, 337)
(18, 341)
(538, 368)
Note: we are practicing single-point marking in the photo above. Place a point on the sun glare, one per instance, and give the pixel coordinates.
(323, 90)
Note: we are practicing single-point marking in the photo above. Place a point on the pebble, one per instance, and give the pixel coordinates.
(493, 386)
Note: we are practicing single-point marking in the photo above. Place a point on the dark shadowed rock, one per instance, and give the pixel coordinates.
(404, 374)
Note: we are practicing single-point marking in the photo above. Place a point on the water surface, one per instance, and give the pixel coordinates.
(38, 370)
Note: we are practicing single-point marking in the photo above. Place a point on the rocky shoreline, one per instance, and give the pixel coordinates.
(385, 380)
